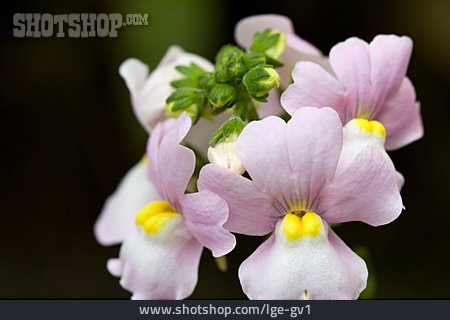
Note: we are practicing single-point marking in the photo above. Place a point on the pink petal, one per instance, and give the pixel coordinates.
(205, 213)
(161, 266)
(389, 58)
(263, 151)
(170, 165)
(313, 86)
(116, 221)
(297, 50)
(366, 191)
(314, 140)
(251, 214)
(291, 162)
(350, 61)
(401, 117)
(309, 268)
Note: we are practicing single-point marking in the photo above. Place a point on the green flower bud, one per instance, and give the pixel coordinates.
(277, 50)
(253, 58)
(189, 100)
(230, 66)
(222, 95)
(260, 80)
(224, 151)
(191, 110)
(270, 41)
(233, 126)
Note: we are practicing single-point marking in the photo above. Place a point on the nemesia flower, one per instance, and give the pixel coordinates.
(296, 48)
(297, 189)
(160, 259)
(148, 95)
(368, 83)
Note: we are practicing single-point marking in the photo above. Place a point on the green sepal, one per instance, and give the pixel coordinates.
(233, 126)
(222, 96)
(260, 80)
(192, 70)
(252, 59)
(274, 62)
(263, 41)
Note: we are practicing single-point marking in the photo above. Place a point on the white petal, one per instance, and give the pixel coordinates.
(159, 266)
(116, 221)
(320, 267)
(356, 138)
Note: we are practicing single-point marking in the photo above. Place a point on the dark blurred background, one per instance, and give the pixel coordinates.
(68, 135)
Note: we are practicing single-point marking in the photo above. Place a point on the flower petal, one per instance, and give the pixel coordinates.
(205, 213)
(389, 59)
(291, 162)
(251, 214)
(401, 117)
(350, 61)
(365, 190)
(170, 165)
(134, 72)
(359, 134)
(321, 267)
(263, 151)
(160, 266)
(314, 140)
(313, 86)
(297, 50)
(116, 221)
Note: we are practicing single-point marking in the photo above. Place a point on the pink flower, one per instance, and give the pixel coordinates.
(298, 188)
(148, 96)
(160, 258)
(367, 82)
(296, 48)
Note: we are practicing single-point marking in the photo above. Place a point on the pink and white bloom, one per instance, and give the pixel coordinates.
(160, 258)
(298, 188)
(148, 97)
(296, 48)
(368, 81)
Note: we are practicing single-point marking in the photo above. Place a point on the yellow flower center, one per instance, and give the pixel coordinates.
(371, 126)
(296, 225)
(155, 215)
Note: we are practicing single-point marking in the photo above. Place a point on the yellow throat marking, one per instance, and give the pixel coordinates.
(153, 216)
(295, 226)
(371, 126)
